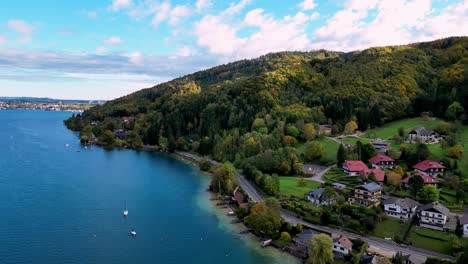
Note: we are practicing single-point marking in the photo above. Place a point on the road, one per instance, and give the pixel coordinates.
(380, 243)
(319, 176)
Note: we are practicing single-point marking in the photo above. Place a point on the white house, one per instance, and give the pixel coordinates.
(342, 246)
(423, 135)
(433, 216)
(316, 197)
(401, 208)
(464, 223)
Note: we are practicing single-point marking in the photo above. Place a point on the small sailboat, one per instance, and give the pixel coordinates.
(125, 212)
(133, 233)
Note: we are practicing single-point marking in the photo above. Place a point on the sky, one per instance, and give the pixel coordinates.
(104, 49)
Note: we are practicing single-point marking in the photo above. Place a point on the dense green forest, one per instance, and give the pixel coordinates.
(254, 113)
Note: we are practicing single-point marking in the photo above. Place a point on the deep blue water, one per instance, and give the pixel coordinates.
(58, 205)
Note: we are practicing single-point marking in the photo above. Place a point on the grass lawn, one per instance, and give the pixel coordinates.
(388, 227)
(330, 146)
(430, 243)
(289, 186)
(464, 160)
(354, 140)
(389, 130)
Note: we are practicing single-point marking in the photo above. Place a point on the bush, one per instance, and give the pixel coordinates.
(205, 165)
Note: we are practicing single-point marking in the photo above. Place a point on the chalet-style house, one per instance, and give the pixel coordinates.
(464, 224)
(316, 197)
(354, 167)
(127, 119)
(423, 135)
(433, 216)
(367, 195)
(378, 173)
(430, 168)
(401, 208)
(325, 129)
(382, 161)
(342, 246)
(380, 145)
(426, 179)
(302, 240)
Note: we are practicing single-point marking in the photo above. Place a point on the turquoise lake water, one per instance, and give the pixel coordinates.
(58, 205)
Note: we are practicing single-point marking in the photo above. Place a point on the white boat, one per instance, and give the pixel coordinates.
(133, 233)
(125, 212)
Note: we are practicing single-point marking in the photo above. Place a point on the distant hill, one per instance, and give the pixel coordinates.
(223, 105)
(50, 100)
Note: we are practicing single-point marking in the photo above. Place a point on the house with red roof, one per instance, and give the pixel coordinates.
(128, 119)
(379, 174)
(382, 161)
(430, 168)
(354, 167)
(427, 179)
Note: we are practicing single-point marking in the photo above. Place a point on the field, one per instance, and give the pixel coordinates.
(289, 186)
(354, 140)
(330, 146)
(389, 130)
(422, 238)
(337, 175)
(388, 227)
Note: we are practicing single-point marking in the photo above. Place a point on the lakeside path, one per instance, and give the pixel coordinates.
(380, 243)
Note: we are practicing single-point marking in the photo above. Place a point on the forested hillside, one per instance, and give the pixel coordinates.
(259, 110)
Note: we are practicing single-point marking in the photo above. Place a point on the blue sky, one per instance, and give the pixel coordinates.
(103, 49)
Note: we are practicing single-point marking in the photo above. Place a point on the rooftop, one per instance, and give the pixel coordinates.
(428, 164)
(435, 206)
(355, 165)
(403, 202)
(371, 187)
(426, 179)
(380, 157)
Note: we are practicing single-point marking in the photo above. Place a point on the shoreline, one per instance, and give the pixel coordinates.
(206, 202)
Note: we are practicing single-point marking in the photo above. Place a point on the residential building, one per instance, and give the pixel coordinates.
(464, 224)
(430, 168)
(382, 161)
(317, 197)
(426, 179)
(354, 167)
(367, 195)
(302, 240)
(127, 119)
(380, 145)
(378, 173)
(325, 129)
(433, 216)
(342, 246)
(423, 135)
(401, 208)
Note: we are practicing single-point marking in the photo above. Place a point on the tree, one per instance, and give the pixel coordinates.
(223, 180)
(399, 170)
(394, 179)
(309, 132)
(455, 244)
(264, 220)
(341, 155)
(313, 150)
(401, 132)
(292, 131)
(455, 152)
(301, 182)
(107, 138)
(460, 195)
(321, 249)
(258, 124)
(328, 193)
(371, 177)
(350, 127)
(415, 184)
(454, 111)
(285, 237)
(422, 152)
(429, 193)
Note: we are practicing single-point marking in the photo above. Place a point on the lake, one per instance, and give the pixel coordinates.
(63, 204)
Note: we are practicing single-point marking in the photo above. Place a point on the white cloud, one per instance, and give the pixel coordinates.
(101, 50)
(120, 4)
(177, 13)
(2, 39)
(236, 8)
(184, 51)
(20, 26)
(113, 41)
(220, 36)
(203, 4)
(310, 4)
(314, 16)
(136, 58)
